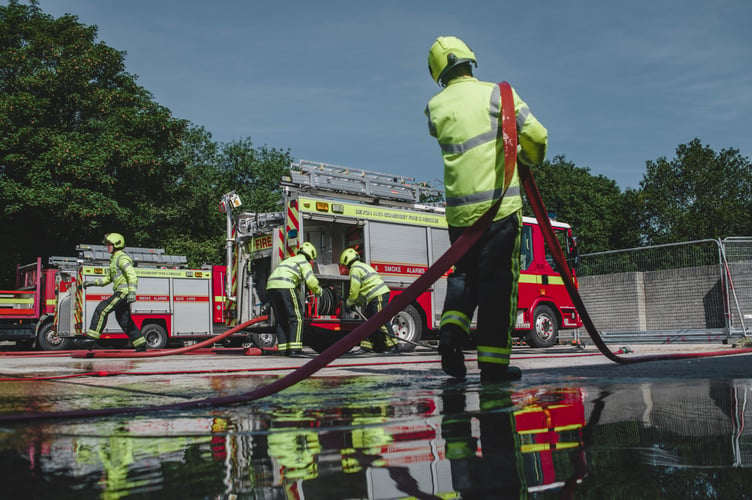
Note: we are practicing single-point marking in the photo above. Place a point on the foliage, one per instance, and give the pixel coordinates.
(593, 205)
(699, 194)
(84, 150)
(82, 147)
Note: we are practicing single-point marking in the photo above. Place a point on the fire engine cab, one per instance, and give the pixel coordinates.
(386, 219)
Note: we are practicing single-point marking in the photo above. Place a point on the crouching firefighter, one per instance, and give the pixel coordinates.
(367, 286)
(122, 274)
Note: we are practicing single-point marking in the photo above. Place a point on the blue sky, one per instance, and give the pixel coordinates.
(346, 82)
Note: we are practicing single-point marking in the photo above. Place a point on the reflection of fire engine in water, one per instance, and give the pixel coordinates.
(380, 448)
(380, 215)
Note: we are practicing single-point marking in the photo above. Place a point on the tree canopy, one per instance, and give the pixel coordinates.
(85, 150)
(699, 194)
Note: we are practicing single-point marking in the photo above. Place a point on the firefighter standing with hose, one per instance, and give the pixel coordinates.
(122, 274)
(367, 286)
(287, 304)
(465, 118)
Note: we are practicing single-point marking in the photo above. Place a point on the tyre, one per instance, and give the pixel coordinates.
(47, 339)
(155, 335)
(545, 328)
(264, 340)
(408, 326)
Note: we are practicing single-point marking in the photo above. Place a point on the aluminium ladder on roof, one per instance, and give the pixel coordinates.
(143, 257)
(338, 179)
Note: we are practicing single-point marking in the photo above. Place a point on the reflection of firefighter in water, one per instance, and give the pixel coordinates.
(294, 450)
(367, 439)
(517, 446)
(116, 455)
(497, 472)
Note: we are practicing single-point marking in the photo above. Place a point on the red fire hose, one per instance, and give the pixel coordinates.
(167, 352)
(534, 198)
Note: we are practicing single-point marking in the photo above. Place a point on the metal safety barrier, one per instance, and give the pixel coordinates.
(681, 292)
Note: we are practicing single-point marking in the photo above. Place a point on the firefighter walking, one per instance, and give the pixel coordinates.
(466, 119)
(122, 274)
(368, 287)
(287, 303)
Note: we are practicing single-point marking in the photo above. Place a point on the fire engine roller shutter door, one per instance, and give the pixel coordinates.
(153, 297)
(193, 314)
(404, 246)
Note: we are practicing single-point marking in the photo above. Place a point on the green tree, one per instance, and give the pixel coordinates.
(593, 205)
(254, 173)
(83, 148)
(699, 194)
(192, 224)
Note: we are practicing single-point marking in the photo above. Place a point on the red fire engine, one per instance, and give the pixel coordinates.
(381, 215)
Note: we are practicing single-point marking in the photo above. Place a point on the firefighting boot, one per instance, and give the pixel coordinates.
(494, 374)
(451, 342)
(140, 344)
(88, 341)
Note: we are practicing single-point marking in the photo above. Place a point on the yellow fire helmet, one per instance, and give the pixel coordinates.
(117, 240)
(308, 250)
(446, 53)
(349, 255)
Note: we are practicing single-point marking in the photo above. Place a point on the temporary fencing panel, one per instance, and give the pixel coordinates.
(738, 258)
(669, 292)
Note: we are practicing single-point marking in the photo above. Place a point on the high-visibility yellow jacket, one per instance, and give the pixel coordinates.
(365, 282)
(291, 272)
(465, 118)
(121, 273)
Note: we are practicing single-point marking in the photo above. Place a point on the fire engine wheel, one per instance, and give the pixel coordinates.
(545, 328)
(264, 340)
(407, 325)
(155, 335)
(47, 339)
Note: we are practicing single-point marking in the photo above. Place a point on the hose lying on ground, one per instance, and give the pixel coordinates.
(155, 353)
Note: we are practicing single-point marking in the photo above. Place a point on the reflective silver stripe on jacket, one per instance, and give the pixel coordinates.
(491, 135)
(456, 201)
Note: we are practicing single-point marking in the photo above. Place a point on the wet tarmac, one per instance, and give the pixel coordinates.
(378, 427)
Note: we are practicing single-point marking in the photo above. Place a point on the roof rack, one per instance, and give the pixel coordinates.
(143, 257)
(318, 176)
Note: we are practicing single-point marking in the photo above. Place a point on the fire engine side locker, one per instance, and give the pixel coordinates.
(192, 305)
(178, 298)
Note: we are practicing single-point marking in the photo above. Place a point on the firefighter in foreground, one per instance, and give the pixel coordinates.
(367, 287)
(287, 304)
(465, 118)
(122, 274)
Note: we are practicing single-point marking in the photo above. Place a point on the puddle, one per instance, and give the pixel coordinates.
(376, 438)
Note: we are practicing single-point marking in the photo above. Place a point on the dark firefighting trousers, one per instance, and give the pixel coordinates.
(119, 304)
(287, 306)
(486, 277)
(382, 339)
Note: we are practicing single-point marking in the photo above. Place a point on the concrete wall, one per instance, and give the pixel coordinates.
(689, 298)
